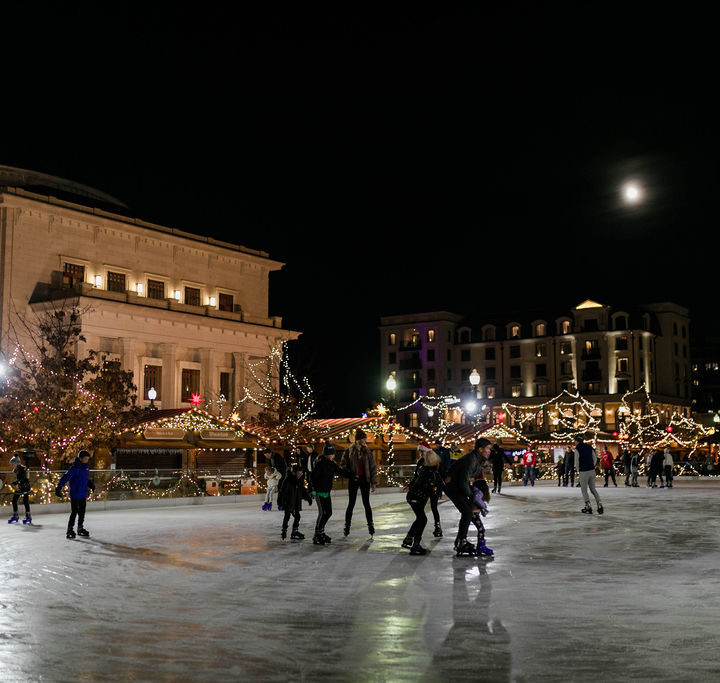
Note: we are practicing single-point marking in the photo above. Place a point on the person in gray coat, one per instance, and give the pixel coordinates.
(585, 460)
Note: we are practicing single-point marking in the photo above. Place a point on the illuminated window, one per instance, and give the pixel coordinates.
(225, 385)
(540, 330)
(515, 331)
(152, 378)
(516, 390)
(565, 348)
(190, 384)
(623, 365)
(392, 339)
(566, 327)
(431, 335)
(491, 392)
(540, 350)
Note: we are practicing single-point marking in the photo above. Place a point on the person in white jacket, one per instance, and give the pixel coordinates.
(273, 482)
(668, 464)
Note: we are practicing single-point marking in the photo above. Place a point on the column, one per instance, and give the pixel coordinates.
(170, 379)
(239, 383)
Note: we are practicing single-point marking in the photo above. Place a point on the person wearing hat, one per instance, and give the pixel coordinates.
(291, 496)
(359, 462)
(78, 476)
(425, 483)
(22, 488)
(585, 461)
(323, 474)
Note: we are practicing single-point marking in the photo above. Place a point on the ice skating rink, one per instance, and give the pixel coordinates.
(211, 593)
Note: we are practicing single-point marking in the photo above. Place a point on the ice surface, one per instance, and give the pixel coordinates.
(203, 593)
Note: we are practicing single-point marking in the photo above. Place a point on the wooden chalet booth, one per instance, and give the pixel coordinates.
(186, 438)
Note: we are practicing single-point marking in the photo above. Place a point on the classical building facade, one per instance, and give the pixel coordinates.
(603, 351)
(186, 314)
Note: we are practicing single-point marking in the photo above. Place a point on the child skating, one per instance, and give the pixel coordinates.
(272, 476)
(78, 476)
(426, 482)
(291, 495)
(22, 488)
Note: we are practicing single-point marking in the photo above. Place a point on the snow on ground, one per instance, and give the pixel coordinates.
(202, 593)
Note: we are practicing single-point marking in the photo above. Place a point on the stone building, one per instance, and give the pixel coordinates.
(525, 358)
(185, 313)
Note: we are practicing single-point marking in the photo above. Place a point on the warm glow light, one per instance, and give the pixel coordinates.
(391, 383)
(474, 377)
(152, 394)
(632, 193)
(177, 295)
(98, 280)
(139, 288)
(212, 300)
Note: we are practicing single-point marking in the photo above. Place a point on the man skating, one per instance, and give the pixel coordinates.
(585, 460)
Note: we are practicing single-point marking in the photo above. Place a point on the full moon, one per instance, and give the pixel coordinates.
(632, 193)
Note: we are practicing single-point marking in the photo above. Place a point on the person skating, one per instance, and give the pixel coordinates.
(457, 488)
(277, 462)
(434, 496)
(656, 469)
(22, 489)
(569, 468)
(359, 461)
(627, 466)
(608, 466)
(272, 477)
(425, 483)
(585, 460)
(497, 460)
(560, 469)
(529, 460)
(634, 468)
(324, 472)
(78, 476)
(668, 465)
(292, 492)
(481, 498)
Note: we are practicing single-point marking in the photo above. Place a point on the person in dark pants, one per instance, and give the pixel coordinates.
(425, 482)
(292, 493)
(497, 460)
(424, 451)
(627, 466)
(359, 462)
(457, 488)
(78, 476)
(323, 473)
(569, 470)
(608, 466)
(22, 490)
(277, 462)
(657, 462)
(560, 469)
(668, 467)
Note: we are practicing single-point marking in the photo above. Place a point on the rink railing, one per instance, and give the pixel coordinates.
(166, 483)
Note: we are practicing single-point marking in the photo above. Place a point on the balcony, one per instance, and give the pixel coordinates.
(410, 346)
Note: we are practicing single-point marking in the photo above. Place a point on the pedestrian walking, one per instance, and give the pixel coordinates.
(272, 477)
(457, 488)
(608, 466)
(585, 461)
(569, 469)
(78, 476)
(359, 461)
(529, 460)
(292, 493)
(324, 471)
(627, 466)
(424, 485)
(668, 464)
(22, 490)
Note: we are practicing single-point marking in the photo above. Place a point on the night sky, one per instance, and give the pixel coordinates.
(399, 160)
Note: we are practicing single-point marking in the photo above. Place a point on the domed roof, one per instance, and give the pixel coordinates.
(33, 180)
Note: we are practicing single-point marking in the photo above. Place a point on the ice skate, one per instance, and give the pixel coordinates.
(70, 534)
(296, 535)
(14, 519)
(600, 509)
(28, 519)
(408, 542)
(283, 534)
(417, 549)
(465, 548)
(587, 509)
(326, 538)
(346, 530)
(82, 531)
(437, 532)
(318, 540)
(265, 506)
(482, 549)
(371, 529)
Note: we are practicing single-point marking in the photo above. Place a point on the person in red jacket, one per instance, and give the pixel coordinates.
(529, 459)
(608, 466)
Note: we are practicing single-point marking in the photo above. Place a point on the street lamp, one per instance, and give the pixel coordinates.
(152, 395)
(475, 381)
(391, 386)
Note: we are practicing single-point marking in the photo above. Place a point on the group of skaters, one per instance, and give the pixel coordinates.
(78, 477)
(306, 476)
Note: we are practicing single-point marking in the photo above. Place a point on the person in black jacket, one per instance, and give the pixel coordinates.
(656, 469)
(457, 488)
(324, 471)
(569, 468)
(22, 488)
(425, 483)
(291, 496)
(627, 466)
(434, 496)
(497, 460)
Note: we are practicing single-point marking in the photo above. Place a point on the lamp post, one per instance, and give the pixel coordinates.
(152, 395)
(391, 386)
(471, 405)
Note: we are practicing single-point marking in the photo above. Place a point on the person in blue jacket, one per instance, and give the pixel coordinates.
(78, 476)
